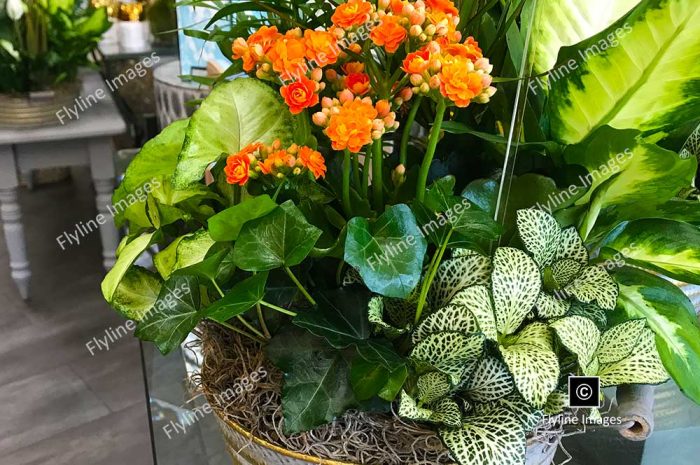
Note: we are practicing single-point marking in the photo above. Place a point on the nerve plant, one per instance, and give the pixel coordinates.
(355, 207)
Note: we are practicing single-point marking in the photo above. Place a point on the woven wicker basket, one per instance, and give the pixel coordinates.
(37, 108)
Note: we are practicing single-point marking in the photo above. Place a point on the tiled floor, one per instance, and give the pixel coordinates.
(61, 405)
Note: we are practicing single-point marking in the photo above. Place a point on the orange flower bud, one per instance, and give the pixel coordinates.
(319, 119)
(345, 95)
(383, 108)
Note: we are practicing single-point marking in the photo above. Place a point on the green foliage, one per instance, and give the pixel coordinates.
(243, 296)
(226, 225)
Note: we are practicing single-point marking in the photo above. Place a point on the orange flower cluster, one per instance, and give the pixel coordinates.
(256, 160)
(458, 70)
(353, 122)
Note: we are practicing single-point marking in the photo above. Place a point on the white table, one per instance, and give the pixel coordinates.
(86, 141)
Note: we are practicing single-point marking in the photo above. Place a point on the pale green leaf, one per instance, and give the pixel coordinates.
(451, 317)
(579, 335)
(478, 300)
(535, 371)
(516, 285)
(490, 381)
(619, 341)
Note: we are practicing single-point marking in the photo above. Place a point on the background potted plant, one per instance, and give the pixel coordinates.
(43, 43)
(428, 288)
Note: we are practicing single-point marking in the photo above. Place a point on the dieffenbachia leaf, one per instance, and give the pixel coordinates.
(579, 335)
(493, 438)
(535, 371)
(620, 340)
(670, 314)
(433, 386)
(594, 285)
(174, 315)
(185, 251)
(516, 285)
(129, 253)
(642, 366)
(388, 252)
(452, 353)
(490, 381)
(540, 234)
(136, 293)
(233, 115)
(619, 85)
(280, 238)
(575, 21)
(226, 225)
(478, 300)
(665, 246)
(455, 274)
(452, 317)
(239, 299)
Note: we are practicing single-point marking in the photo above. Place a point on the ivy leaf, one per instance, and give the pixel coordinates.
(226, 225)
(239, 299)
(174, 315)
(340, 317)
(388, 253)
(281, 238)
(185, 251)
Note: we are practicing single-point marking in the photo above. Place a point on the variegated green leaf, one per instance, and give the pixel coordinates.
(401, 312)
(642, 366)
(478, 300)
(670, 314)
(556, 403)
(516, 285)
(549, 306)
(495, 438)
(449, 318)
(536, 334)
(527, 415)
(375, 313)
(433, 386)
(408, 408)
(564, 271)
(446, 412)
(619, 341)
(540, 233)
(579, 335)
(451, 353)
(457, 273)
(594, 284)
(535, 371)
(489, 382)
(627, 86)
(665, 246)
(592, 368)
(591, 311)
(571, 247)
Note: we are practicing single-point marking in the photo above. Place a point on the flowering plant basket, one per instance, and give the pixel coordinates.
(422, 214)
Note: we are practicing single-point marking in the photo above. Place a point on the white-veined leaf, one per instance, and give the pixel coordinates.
(571, 247)
(540, 234)
(594, 284)
(457, 273)
(642, 366)
(489, 382)
(451, 353)
(619, 341)
(516, 284)
(433, 386)
(478, 300)
(549, 306)
(451, 317)
(579, 335)
(528, 416)
(535, 371)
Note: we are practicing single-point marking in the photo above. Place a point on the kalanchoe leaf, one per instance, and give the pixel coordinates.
(595, 285)
(478, 300)
(516, 285)
(619, 341)
(489, 382)
(450, 352)
(388, 253)
(457, 273)
(579, 335)
(174, 315)
(281, 238)
(449, 318)
(496, 437)
(433, 386)
(642, 366)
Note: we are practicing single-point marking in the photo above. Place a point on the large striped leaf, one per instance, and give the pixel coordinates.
(649, 81)
(669, 247)
(560, 23)
(671, 316)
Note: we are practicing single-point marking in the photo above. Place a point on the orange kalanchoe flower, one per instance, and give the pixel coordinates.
(459, 82)
(351, 127)
(256, 47)
(352, 13)
(237, 169)
(416, 62)
(444, 6)
(352, 67)
(288, 55)
(469, 49)
(358, 83)
(389, 34)
(300, 94)
(321, 47)
(276, 159)
(313, 160)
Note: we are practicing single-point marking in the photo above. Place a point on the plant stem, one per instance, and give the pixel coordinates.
(299, 285)
(356, 169)
(430, 151)
(279, 309)
(405, 137)
(432, 270)
(377, 184)
(261, 320)
(250, 327)
(213, 281)
(240, 331)
(365, 172)
(346, 184)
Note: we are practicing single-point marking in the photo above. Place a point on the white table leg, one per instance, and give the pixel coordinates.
(11, 216)
(102, 170)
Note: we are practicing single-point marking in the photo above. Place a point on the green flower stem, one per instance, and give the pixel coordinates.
(299, 285)
(279, 309)
(346, 184)
(365, 172)
(377, 184)
(430, 151)
(430, 276)
(403, 154)
(355, 169)
(213, 281)
(261, 320)
(240, 331)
